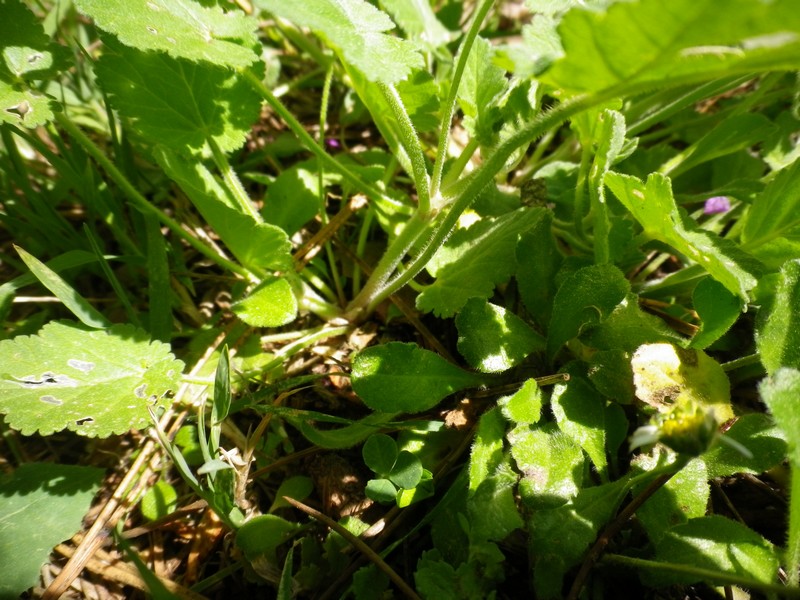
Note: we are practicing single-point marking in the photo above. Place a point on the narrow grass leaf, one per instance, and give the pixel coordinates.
(159, 292)
(71, 299)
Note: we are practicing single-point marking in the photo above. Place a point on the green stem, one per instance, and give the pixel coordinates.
(450, 106)
(141, 203)
(231, 179)
(700, 574)
(308, 141)
(411, 144)
(460, 163)
(793, 545)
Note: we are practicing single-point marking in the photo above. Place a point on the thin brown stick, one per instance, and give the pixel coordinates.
(359, 544)
(613, 529)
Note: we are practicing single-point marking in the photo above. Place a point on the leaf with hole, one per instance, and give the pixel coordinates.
(181, 28)
(94, 382)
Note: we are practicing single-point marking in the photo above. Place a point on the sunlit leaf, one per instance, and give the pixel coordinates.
(96, 383)
(181, 28)
(271, 304)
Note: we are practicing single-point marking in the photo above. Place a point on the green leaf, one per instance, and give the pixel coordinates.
(780, 392)
(355, 29)
(487, 449)
(418, 20)
(580, 413)
(381, 490)
(778, 325)
(175, 102)
(297, 487)
(756, 432)
(260, 536)
(41, 505)
(560, 536)
(380, 453)
(77, 304)
(479, 91)
(666, 376)
(587, 296)
(493, 339)
(398, 377)
(551, 463)
(525, 406)
(271, 304)
(159, 501)
(407, 471)
(26, 53)
(685, 496)
(474, 260)
(255, 245)
(343, 437)
(293, 198)
(96, 383)
(648, 44)
(775, 211)
(733, 134)
(609, 136)
(492, 509)
(718, 545)
(539, 260)
(654, 207)
(181, 28)
(718, 310)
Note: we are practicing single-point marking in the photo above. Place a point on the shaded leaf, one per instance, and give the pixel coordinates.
(756, 432)
(774, 211)
(474, 260)
(538, 260)
(780, 392)
(260, 536)
(587, 296)
(407, 471)
(42, 504)
(379, 453)
(96, 383)
(398, 377)
(487, 449)
(492, 509)
(181, 28)
(718, 310)
(175, 102)
(481, 86)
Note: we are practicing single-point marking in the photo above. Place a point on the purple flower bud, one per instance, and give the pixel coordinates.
(332, 143)
(717, 205)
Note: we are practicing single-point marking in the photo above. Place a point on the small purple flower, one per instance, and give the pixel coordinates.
(717, 205)
(332, 143)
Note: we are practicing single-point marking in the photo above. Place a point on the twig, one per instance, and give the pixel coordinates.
(358, 543)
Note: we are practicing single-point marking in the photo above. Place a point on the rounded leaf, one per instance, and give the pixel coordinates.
(380, 453)
(381, 490)
(159, 501)
(398, 377)
(407, 471)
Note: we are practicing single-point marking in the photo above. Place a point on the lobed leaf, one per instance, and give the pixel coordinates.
(96, 383)
(654, 207)
(398, 377)
(418, 20)
(474, 260)
(181, 28)
(175, 102)
(649, 43)
(356, 29)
